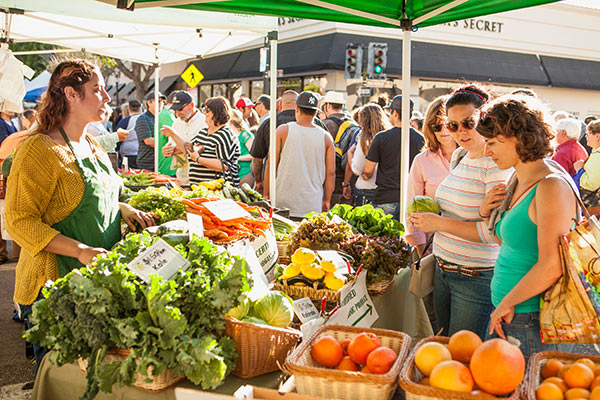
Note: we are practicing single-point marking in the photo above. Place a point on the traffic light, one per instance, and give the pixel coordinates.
(377, 60)
(353, 61)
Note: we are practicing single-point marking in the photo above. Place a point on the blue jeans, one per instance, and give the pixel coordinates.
(390, 208)
(462, 302)
(38, 351)
(363, 196)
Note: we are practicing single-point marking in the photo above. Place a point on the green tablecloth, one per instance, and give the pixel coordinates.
(398, 310)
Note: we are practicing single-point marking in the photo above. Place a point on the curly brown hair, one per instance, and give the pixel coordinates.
(220, 109)
(54, 107)
(522, 117)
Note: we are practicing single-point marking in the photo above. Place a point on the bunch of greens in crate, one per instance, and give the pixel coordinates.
(176, 324)
(319, 233)
(164, 203)
(368, 220)
(141, 179)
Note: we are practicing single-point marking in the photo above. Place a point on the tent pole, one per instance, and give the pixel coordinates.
(156, 107)
(405, 147)
(273, 36)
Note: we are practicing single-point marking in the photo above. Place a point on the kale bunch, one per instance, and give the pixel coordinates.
(163, 203)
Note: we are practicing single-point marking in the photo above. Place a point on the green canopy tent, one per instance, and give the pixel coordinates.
(403, 14)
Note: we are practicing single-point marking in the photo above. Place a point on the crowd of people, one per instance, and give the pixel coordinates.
(504, 171)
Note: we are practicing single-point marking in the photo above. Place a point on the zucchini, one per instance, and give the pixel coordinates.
(243, 196)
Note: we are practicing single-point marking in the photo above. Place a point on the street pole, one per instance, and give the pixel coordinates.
(273, 36)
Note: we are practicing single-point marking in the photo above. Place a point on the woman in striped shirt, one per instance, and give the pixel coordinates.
(465, 265)
(214, 151)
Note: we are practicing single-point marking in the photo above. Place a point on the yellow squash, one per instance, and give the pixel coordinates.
(312, 271)
(303, 256)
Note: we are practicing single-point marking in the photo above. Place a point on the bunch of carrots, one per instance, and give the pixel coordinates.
(230, 230)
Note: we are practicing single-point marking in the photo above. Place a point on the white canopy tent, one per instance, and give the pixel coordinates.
(151, 36)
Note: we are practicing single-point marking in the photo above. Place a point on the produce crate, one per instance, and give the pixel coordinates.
(380, 287)
(410, 375)
(534, 369)
(314, 380)
(157, 384)
(260, 348)
(313, 293)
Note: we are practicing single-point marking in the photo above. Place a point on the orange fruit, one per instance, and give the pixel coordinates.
(551, 368)
(365, 370)
(327, 351)
(347, 365)
(344, 343)
(577, 393)
(498, 366)
(361, 345)
(579, 376)
(595, 395)
(425, 381)
(548, 391)
(452, 375)
(429, 355)
(558, 382)
(561, 372)
(587, 362)
(481, 393)
(597, 371)
(462, 345)
(380, 360)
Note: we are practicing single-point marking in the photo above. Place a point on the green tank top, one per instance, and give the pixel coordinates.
(518, 253)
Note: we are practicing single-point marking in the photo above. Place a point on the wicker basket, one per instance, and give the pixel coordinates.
(537, 361)
(380, 287)
(158, 383)
(313, 380)
(298, 292)
(260, 348)
(410, 375)
(284, 252)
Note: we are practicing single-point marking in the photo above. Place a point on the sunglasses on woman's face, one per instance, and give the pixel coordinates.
(468, 124)
(436, 127)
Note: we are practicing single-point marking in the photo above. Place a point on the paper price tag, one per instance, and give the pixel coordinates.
(357, 308)
(335, 258)
(337, 219)
(159, 259)
(305, 309)
(266, 251)
(196, 225)
(226, 209)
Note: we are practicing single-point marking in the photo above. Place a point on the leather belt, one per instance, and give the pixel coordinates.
(468, 271)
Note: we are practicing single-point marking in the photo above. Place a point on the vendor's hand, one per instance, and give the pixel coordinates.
(347, 192)
(87, 254)
(130, 214)
(426, 222)
(122, 134)
(492, 199)
(578, 164)
(167, 131)
(501, 314)
(168, 150)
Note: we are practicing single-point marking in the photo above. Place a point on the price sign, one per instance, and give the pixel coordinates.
(159, 259)
(337, 219)
(305, 309)
(335, 258)
(265, 248)
(260, 284)
(357, 308)
(196, 225)
(226, 209)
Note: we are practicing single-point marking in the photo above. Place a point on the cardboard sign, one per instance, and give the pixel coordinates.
(357, 308)
(266, 251)
(226, 209)
(260, 284)
(159, 259)
(305, 309)
(196, 225)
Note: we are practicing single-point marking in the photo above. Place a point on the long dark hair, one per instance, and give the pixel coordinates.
(468, 94)
(372, 120)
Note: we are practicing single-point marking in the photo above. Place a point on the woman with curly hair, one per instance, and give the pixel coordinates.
(539, 209)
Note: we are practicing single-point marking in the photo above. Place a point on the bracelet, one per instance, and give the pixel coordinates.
(484, 216)
(345, 185)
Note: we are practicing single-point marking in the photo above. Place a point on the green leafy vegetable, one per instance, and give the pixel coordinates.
(161, 202)
(423, 204)
(319, 233)
(141, 179)
(275, 309)
(368, 220)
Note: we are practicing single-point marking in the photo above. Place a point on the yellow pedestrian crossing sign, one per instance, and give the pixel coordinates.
(192, 76)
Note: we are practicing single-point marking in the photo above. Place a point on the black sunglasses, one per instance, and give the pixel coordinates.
(436, 127)
(468, 123)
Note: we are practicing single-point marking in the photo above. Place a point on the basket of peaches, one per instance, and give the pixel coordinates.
(344, 362)
(463, 367)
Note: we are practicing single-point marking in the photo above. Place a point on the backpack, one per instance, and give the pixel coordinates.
(346, 136)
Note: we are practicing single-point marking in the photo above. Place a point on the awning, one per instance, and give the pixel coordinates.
(430, 60)
(571, 73)
(165, 83)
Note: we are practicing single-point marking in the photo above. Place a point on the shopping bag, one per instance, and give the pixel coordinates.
(570, 308)
(422, 272)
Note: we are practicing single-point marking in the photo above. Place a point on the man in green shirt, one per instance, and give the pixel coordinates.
(165, 118)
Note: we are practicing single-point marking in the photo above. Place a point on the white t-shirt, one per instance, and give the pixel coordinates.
(358, 164)
(187, 131)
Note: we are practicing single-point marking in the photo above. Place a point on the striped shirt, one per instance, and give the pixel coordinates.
(459, 195)
(221, 145)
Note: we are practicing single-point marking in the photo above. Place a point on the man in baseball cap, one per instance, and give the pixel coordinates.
(245, 105)
(181, 99)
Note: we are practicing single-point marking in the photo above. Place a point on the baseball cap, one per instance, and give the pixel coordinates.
(333, 98)
(265, 100)
(308, 100)
(180, 100)
(396, 104)
(150, 96)
(244, 102)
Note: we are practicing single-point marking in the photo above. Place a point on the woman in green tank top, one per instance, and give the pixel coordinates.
(539, 211)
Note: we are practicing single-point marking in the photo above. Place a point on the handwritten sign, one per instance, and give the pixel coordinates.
(196, 225)
(159, 259)
(226, 209)
(357, 308)
(305, 309)
(260, 284)
(265, 248)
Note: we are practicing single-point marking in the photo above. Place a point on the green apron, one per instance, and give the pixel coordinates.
(96, 220)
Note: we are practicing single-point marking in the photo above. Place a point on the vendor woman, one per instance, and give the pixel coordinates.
(62, 203)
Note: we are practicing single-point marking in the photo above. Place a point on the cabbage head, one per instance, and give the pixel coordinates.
(275, 309)
(254, 320)
(240, 311)
(423, 204)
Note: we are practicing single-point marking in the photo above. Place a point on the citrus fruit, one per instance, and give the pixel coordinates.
(361, 345)
(548, 391)
(587, 362)
(577, 393)
(327, 351)
(462, 345)
(365, 370)
(425, 381)
(429, 355)
(595, 395)
(558, 382)
(595, 383)
(498, 366)
(452, 375)
(579, 376)
(347, 365)
(551, 368)
(380, 360)
(344, 343)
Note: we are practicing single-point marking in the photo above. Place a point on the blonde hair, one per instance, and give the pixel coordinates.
(372, 120)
